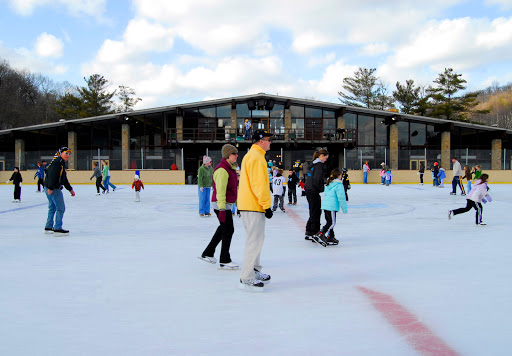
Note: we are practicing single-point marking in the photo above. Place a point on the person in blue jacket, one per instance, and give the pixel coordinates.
(40, 176)
(334, 199)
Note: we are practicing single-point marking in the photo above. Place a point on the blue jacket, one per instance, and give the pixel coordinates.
(40, 172)
(334, 197)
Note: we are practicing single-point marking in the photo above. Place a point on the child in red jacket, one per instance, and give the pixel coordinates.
(137, 184)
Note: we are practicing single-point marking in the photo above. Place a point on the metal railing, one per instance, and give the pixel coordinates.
(176, 135)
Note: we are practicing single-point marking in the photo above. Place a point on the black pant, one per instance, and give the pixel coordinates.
(315, 211)
(421, 178)
(471, 204)
(223, 233)
(292, 193)
(17, 192)
(99, 185)
(457, 182)
(40, 183)
(330, 222)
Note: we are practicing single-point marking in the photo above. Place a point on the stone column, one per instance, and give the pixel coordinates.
(446, 150)
(179, 128)
(234, 128)
(19, 153)
(72, 144)
(393, 146)
(125, 146)
(288, 125)
(496, 155)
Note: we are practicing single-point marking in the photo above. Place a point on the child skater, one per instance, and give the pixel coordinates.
(468, 176)
(99, 178)
(301, 186)
(137, 184)
(40, 176)
(16, 180)
(441, 176)
(346, 181)
(388, 176)
(334, 198)
(278, 190)
(474, 199)
(293, 180)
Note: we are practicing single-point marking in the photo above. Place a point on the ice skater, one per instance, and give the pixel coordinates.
(387, 177)
(16, 179)
(225, 186)
(346, 182)
(334, 198)
(137, 184)
(293, 180)
(475, 198)
(421, 172)
(106, 177)
(457, 178)
(468, 176)
(40, 176)
(278, 191)
(204, 186)
(99, 178)
(314, 186)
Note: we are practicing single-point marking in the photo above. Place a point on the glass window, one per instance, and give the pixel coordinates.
(329, 114)
(277, 111)
(242, 111)
(381, 132)
(365, 128)
(260, 113)
(313, 112)
(207, 112)
(350, 121)
(330, 126)
(224, 110)
(403, 133)
(297, 111)
(418, 134)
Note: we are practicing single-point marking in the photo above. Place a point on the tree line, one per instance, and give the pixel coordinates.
(441, 99)
(30, 99)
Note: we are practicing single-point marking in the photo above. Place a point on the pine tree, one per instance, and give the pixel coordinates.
(127, 103)
(96, 100)
(361, 89)
(407, 96)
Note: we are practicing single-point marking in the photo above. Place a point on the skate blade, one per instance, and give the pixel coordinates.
(248, 288)
(205, 260)
(60, 234)
(226, 268)
(321, 243)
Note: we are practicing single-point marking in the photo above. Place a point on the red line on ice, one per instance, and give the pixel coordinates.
(417, 334)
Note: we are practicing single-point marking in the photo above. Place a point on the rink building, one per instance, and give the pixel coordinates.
(157, 138)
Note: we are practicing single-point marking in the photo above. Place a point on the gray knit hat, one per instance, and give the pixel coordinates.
(228, 150)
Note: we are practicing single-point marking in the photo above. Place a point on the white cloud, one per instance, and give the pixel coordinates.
(321, 60)
(49, 46)
(374, 49)
(332, 79)
(22, 58)
(93, 8)
(503, 4)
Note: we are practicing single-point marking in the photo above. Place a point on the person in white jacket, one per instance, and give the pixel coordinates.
(278, 190)
(457, 178)
(476, 197)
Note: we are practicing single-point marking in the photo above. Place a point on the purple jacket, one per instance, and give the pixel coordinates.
(232, 186)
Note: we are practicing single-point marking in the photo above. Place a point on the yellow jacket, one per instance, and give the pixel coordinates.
(254, 188)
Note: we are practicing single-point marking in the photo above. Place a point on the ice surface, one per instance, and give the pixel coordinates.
(127, 280)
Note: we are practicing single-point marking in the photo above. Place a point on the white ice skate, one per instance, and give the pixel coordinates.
(251, 285)
(229, 266)
(212, 260)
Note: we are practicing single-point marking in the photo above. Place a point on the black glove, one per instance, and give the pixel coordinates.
(268, 213)
(238, 213)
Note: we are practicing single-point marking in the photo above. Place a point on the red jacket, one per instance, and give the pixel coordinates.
(137, 184)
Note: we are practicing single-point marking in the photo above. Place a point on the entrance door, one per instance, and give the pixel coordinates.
(2, 165)
(414, 164)
(313, 129)
(259, 124)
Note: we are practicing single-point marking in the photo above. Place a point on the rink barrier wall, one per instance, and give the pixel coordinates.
(116, 177)
(178, 177)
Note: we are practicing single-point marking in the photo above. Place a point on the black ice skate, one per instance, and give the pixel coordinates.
(319, 238)
(331, 241)
(60, 232)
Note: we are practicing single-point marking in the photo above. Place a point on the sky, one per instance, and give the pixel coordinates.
(173, 52)
(404, 280)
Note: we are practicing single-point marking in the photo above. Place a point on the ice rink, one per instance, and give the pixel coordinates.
(403, 281)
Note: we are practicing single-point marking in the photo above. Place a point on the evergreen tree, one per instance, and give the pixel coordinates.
(95, 98)
(362, 89)
(407, 96)
(127, 103)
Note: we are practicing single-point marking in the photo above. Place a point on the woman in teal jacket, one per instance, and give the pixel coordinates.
(334, 199)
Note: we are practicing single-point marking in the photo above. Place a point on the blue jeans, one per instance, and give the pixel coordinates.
(107, 183)
(56, 207)
(247, 135)
(365, 177)
(204, 200)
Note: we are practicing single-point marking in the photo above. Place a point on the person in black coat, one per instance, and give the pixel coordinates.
(55, 179)
(293, 181)
(346, 181)
(313, 187)
(16, 180)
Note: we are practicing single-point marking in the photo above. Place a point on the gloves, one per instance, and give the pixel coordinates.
(7, 182)
(222, 216)
(488, 197)
(238, 213)
(20, 185)
(72, 193)
(484, 201)
(268, 213)
(201, 189)
(348, 187)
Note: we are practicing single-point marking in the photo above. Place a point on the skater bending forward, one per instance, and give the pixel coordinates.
(334, 199)
(225, 185)
(475, 198)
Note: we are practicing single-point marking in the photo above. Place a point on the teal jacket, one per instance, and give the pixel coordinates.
(334, 197)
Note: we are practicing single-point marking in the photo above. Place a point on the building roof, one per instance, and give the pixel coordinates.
(245, 98)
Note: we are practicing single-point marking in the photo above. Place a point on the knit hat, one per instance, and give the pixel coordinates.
(435, 163)
(206, 159)
(382, 164)
(228, 150)
(137, 177)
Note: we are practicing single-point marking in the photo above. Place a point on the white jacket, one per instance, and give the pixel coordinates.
(478, 192)
(277, 185)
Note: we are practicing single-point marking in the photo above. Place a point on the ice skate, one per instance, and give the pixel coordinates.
(481, 224)
(229, 266)
(251, 285)
(320, 239)
(332, 241)
(282, 209)
(60, 232)
(263, 277)
(450, 213)
(308, 237)
(212, 260)
(48, 230)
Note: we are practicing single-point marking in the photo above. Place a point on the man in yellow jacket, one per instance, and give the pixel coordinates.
(254, 202)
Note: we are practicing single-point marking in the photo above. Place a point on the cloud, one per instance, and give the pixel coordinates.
(93, 8)
(49, 46)
(22, 58)
(332, 80)
(315, 61)
(374, 49)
